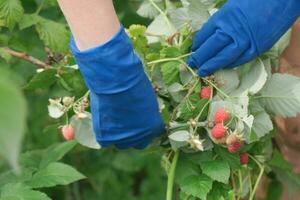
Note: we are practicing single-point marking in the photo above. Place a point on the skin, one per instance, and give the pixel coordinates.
(91, 23)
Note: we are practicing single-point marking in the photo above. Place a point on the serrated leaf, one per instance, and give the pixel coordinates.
(227, 79)
(281, 95)
(217, 170)
(53, 34)
(56, 152)
(84, 133)
(21, 192)
(262, 124)
(170, 72)
(42, 80)
(12, 123)
(179, 139)
(192, 107)
(55, 174)
(180, 17)
(254, 78)
(146, 9)
(198, 13)
(232, 159)
(29, 20)
(11, 11)
(160, 26)
(198, 186)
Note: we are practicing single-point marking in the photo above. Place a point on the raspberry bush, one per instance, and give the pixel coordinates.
(219, 130)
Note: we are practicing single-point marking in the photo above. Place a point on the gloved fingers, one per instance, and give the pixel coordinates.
(207, 30)
(228, 55)
(242, 59)
(210, 48)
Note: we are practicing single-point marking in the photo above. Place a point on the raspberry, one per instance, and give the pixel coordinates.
(233, 148)
(232, 138)
(206, 93)
(244, 158)
(218, 131)
(221, 115)
(68, 132)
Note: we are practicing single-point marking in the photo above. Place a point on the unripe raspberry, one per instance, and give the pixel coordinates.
(218, 131)
(68, 132)
(244, 158)
(206, 93)
(221, 115)
(232, 138)
(235, 147)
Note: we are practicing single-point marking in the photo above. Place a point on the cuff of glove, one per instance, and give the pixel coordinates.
(110, 67)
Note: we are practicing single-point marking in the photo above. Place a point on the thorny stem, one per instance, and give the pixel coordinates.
(241, 183)
(171, 176)
(262, 169)
(26, 57)
(169, 59)
(162, 13)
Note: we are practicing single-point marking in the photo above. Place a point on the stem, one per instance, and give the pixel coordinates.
(162, 13)
(218, 89)
(28, 58)
(171, 176)
(169, 59)
(240, 183)
(262, 169)
(40, 7)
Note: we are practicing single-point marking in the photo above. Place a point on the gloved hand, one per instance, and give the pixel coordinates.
(123, 104)
(240, 31)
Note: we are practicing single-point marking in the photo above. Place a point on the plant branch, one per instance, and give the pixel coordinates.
(26, 57)
(171, 176)
(169, 59)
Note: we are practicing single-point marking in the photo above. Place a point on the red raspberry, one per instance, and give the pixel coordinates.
(218, 131)
(233, 148)
(244, 158)
(68, 132)
(221, 115)
(206, 93)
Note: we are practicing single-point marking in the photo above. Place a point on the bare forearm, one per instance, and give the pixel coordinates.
(92, 22)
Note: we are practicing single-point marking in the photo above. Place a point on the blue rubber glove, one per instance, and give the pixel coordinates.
(124, 107)
(240, 31)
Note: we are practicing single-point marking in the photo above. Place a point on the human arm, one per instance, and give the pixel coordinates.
(123, 104)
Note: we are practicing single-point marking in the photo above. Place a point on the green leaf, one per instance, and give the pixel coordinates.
(192, 107)
(55, 174)
(146, 9)
(53, 34)
(198, 13)
(56, 152)
(29, 20)
(6, 56)
(20, 192)
(13, 121)
(217, 170)
(170, 72)
(42, 80)
(278, 161)
(262, 124)
(11, 11)
(159, 26)
(84, 133)
(232, 159)
(228, 80)
(170, 52)
(281, 95)
(198, 186)
(180, 18)
(254, 77)
(179, 139)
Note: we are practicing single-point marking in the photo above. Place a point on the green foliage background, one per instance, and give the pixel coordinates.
(111, 174)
